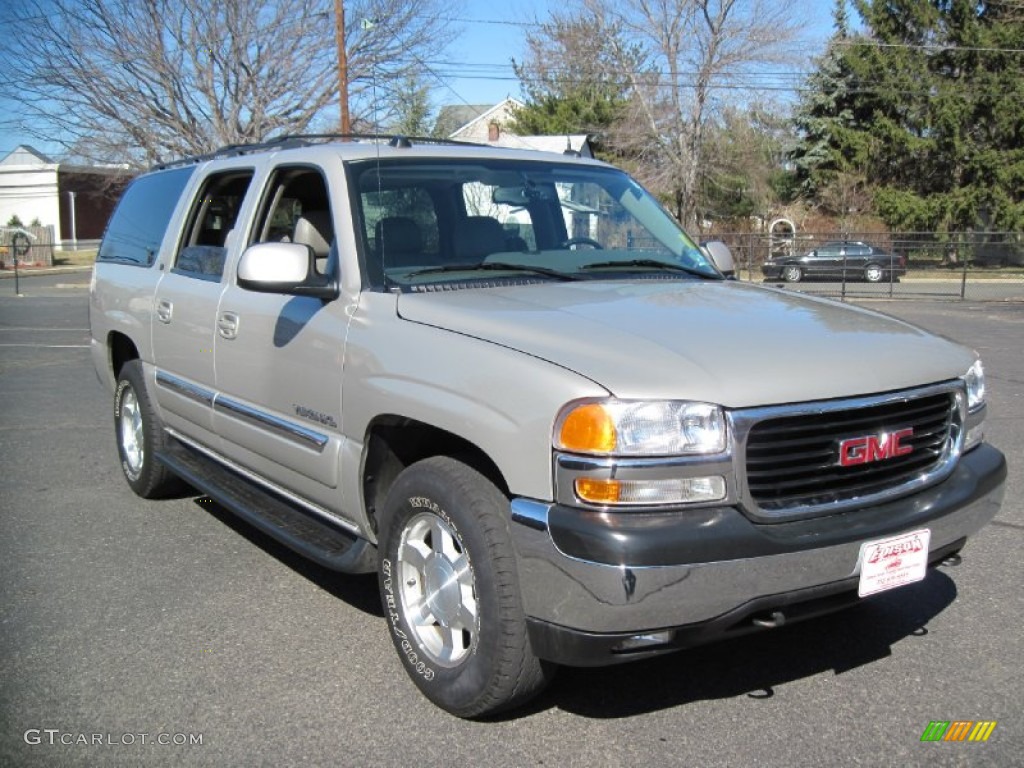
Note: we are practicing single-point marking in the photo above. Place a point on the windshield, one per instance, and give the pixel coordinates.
(466, 221)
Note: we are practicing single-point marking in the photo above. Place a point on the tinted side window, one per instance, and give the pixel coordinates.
(213, 216)
(137, 227)
(297, 209)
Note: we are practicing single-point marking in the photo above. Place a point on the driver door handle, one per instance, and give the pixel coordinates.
(164, 310)
(227, 325)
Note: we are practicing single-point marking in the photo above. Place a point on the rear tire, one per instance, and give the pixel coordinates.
(450, 590)
(140, 435)
(873, 273)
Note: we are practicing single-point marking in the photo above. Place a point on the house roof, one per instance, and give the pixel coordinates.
(502, 109)
(26, 155)
(452, 117)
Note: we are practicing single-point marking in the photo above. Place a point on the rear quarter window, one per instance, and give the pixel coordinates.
(140, 220)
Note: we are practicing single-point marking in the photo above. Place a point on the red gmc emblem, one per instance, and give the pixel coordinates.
(862, 450)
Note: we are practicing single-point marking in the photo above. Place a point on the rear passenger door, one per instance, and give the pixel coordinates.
(186, 303)
(279, 357)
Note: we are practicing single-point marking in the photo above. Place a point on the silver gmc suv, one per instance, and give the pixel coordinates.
(511, 385)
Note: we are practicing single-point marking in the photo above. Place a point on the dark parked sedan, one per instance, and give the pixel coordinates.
(836, 260)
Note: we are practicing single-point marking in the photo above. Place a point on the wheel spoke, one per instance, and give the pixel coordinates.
(466, 618)
(462, 572)
(418, 613)
(415, 557)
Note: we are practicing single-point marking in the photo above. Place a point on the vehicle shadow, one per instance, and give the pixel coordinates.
(753, 665)
(357, 590)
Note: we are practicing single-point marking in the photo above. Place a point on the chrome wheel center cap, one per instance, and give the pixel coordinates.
(441, 589)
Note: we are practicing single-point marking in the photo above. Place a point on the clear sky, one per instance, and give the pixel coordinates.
(477, 67)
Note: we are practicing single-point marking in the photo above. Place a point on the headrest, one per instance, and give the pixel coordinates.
(398, 234)
(479, 236)
(315, 229)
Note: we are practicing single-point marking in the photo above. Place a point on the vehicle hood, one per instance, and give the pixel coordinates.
(730, 343)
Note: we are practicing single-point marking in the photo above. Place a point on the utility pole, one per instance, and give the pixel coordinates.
(339, 36)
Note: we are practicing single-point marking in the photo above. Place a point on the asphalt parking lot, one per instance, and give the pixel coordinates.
(139, 622)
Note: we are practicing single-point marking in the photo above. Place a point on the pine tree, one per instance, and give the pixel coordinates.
(927, 109)
(824, 116)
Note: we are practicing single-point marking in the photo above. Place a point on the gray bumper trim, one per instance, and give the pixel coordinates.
(595, 597)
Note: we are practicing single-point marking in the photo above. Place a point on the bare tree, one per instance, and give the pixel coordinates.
(698, 55)
(143, 81)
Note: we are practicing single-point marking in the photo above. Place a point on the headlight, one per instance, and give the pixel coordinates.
(975, 380)
(640, 428)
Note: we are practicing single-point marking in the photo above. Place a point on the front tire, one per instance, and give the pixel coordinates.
(792, 274)
(140, 435)
(450, 590)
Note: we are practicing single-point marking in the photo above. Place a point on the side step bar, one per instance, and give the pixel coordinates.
(311, 537)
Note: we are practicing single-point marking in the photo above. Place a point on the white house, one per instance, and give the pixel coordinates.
(28, 188)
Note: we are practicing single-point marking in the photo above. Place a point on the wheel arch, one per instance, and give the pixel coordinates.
(120, 349)
(394, 442)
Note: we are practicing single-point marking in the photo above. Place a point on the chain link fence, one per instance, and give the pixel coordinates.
(32, 246)
(977, 266)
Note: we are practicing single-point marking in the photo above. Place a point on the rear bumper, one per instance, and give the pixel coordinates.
(591, 579)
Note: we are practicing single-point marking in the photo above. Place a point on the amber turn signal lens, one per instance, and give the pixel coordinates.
(588, 428)
(597, 491)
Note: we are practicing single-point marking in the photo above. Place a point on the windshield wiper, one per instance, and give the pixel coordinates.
(653, 264)
(493, 265)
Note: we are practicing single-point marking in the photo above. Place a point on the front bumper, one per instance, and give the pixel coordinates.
(586, 574)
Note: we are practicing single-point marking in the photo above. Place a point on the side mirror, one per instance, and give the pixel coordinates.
(287, 268)
(720, 254)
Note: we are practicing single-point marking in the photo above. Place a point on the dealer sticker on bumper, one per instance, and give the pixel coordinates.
(889, 563)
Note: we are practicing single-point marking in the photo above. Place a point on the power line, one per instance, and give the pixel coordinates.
(939, 47)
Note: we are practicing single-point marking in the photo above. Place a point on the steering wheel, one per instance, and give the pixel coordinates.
(582, 241)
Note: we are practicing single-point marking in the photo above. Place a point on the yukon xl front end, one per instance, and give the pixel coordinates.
(760, 498)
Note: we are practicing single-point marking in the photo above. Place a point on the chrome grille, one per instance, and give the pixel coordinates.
(792, 455)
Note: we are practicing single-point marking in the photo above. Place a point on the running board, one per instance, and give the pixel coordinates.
(318, 540)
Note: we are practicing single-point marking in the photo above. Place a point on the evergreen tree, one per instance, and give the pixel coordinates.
(926, 109)
(828, 146)
(952, 157)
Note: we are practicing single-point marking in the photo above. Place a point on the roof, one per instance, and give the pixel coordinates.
(501, 111)
(453, 117)
(577, 142)
(26, 155)
(315, 147)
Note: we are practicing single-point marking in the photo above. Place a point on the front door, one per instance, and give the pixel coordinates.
(279, 358)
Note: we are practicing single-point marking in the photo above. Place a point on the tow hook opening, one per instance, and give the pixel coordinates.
(771, 621)
(644, 642)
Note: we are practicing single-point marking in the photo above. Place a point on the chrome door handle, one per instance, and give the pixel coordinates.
(227, 325)
(164, 310)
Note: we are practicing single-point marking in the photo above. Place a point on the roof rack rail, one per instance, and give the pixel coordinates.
(287, 141)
